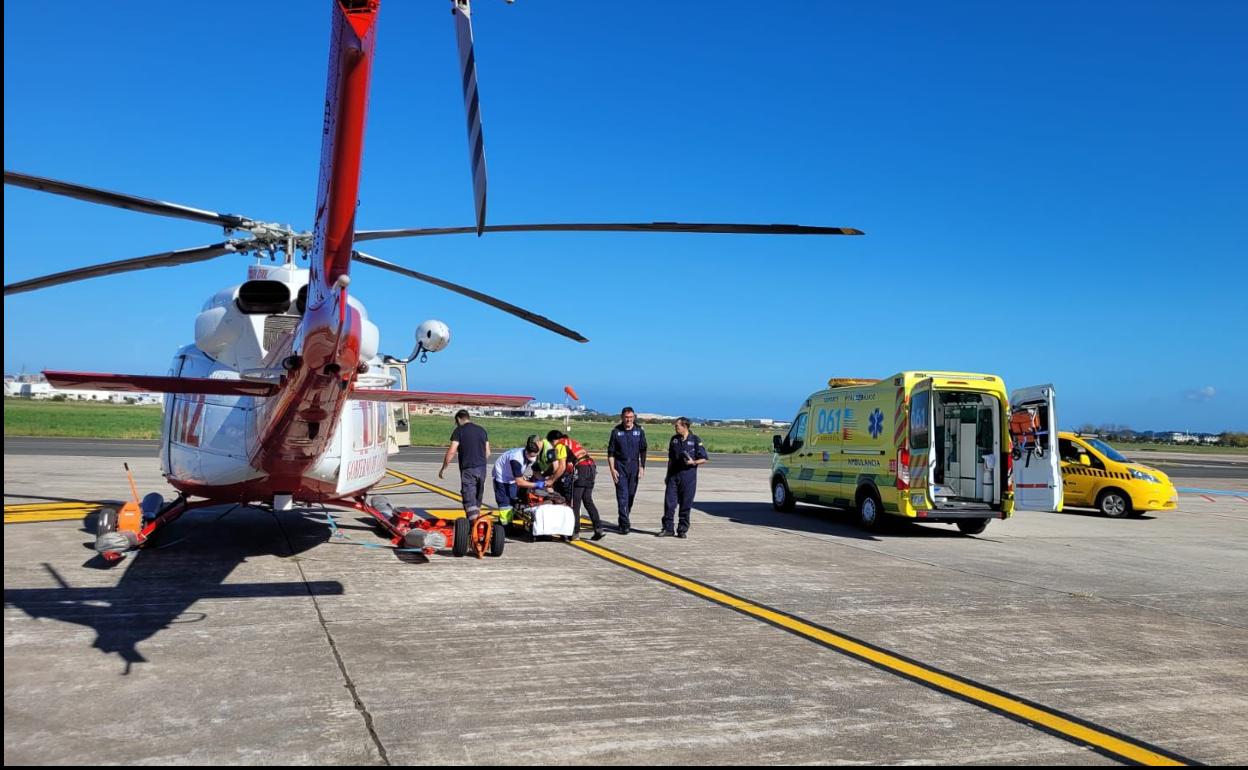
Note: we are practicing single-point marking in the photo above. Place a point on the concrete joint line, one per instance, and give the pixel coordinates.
(348, 682)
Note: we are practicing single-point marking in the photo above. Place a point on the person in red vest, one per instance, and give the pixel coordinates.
(574, 479)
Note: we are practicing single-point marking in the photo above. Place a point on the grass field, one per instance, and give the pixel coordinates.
(79, 419)
(1203, 449)
(505, 434)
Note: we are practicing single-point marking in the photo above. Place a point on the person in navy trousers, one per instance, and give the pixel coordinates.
(626, 456)
(685, 452)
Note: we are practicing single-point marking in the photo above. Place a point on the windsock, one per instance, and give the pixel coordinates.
(572, 393)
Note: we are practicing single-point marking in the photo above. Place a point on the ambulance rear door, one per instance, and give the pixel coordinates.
(1037, 463)
(922, 445)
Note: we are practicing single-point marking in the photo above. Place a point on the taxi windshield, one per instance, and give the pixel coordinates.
(1107, 450)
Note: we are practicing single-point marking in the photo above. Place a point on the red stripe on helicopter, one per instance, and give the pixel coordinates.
(142, 383)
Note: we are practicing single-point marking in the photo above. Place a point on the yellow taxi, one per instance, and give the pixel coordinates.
(1095, 475)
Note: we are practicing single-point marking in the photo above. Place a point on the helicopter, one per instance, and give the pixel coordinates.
(278, 400)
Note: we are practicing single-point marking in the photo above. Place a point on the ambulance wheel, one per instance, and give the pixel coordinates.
(105, 520)
(972, 526)
(459, 546)
(498, 540)
(870, 510)
(1114, 503)
(781, 497)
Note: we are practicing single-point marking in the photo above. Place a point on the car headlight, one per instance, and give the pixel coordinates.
(1141, 475)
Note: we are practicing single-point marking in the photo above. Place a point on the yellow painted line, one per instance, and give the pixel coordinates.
(445, 513)
(1051, 721)
(425, 485)
(49, 506)
(29, 513)
(393, 485)
(32, 517)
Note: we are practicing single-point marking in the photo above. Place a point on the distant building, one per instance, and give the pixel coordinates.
(35, 387)
(539, 410)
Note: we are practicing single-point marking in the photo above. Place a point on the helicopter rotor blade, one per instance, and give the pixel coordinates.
(124, 201)
(615, 227)
(506, 307)
(163, 259)
(462, 11)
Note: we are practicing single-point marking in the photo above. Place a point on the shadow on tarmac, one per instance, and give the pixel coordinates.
(822, 521)
(1093, 513)
(160, 583)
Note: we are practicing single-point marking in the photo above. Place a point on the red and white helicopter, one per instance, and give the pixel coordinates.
(278, 400)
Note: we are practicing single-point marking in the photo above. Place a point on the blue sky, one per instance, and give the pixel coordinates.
(1054, 193)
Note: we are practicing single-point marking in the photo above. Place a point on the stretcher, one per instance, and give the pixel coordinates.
(542, 513)
(1025, 432)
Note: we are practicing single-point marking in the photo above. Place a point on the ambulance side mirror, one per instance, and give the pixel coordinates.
(775, 443)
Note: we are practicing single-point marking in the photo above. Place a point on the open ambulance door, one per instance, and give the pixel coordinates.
(1037, 464)
(398, 423)
(922, 445)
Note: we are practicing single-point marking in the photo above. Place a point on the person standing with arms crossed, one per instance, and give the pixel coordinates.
(626, 455)
(473, 445)
(685, 452)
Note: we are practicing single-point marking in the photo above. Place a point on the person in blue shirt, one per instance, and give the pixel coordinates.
(685, 452)
(626, 456)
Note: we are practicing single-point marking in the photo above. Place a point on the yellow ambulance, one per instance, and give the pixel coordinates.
(927, 446)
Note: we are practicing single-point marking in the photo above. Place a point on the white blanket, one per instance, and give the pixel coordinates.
(549, 519)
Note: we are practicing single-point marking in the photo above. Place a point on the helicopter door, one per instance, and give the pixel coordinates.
(399, 424)
(1037, 464)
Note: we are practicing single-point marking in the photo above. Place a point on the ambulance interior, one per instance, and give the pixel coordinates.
(968, 447)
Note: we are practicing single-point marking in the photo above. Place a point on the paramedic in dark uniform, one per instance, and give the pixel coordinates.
(626, 456)
(685, 452)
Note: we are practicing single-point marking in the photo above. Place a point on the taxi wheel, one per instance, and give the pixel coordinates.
(1114, 503)
(870, 510)
(781, 497)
